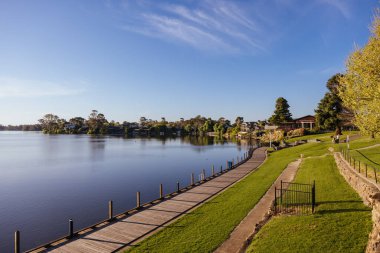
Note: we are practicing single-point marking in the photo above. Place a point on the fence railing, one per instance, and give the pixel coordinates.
(363, 168)
(230, 165)
(294, 198)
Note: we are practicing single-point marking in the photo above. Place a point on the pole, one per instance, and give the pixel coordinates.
(17, 242)
(71, 228)
(177, 186)
(192, 179)
(161, 192)
(138, 203)
(270, 139)
(110, 210)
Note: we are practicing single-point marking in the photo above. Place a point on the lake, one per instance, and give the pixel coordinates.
(48, 179)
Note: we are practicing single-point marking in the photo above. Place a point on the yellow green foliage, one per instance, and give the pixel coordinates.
(361, 84)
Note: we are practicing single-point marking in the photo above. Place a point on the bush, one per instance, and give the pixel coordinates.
(296, 133)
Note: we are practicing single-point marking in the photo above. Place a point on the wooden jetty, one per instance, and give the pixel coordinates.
(127, 229)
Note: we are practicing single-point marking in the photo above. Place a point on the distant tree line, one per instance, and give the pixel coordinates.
(32, 127)
(96, 123)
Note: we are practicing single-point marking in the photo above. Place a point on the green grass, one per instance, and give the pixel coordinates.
(323, 137)
(369, 156)
(341, 222)
(205, 228)
(362, 142)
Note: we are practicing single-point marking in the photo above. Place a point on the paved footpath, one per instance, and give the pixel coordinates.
(127, 230)
(237, 242)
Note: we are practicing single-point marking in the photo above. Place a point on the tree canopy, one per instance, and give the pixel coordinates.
(330, 113)
(281, 113)
(360, 89)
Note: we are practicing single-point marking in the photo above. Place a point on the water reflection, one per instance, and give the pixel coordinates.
(47, 179)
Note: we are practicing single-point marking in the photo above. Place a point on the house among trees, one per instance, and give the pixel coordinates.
(306, 122)
(248, 126)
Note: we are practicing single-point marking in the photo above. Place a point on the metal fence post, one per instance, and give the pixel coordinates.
(110, 210)
(71, 228)
(275, 200)
(17, 242)
(138, 200)
(374, 170)
(313, 197)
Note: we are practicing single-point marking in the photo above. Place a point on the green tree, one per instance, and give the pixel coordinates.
(360, 89)
(97, 123)
(281, 113)
(330, 113)
(49, 123)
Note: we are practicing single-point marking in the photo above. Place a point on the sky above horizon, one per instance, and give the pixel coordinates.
(172, 59)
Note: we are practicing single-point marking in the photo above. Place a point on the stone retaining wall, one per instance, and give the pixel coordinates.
(370, 193)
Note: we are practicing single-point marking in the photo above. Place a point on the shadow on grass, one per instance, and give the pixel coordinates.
(349, 210)
(338, 202)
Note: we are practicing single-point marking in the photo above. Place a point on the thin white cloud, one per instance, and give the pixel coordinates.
(211, 25)
(340, 5)
(14, 87)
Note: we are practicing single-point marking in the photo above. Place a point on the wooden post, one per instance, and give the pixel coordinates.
(365, 170)
(233, 163)
(17, 242)
(227, 165)
(177, 187)
(221, 169)
(71, 228)
(203, 175)
(359, 166)
(212, 170)
(110, 210)
(138, 202)
(161, 192)
(192, 179)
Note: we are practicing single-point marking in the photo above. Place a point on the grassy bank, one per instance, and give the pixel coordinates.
(323, 137)
(205, 228)
(341, 222)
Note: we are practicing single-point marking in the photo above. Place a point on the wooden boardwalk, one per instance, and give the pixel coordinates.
(128, 229)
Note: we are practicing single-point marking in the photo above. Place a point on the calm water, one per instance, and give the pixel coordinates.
(47, 179)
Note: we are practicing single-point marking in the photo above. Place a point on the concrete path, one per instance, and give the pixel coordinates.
(128, 229)
(239, 238)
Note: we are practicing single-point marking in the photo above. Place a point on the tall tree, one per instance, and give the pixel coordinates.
(361, 84)
(330, 113)
(281, 113)
(49, 123)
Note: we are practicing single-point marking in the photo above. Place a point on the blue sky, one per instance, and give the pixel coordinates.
(172, 58)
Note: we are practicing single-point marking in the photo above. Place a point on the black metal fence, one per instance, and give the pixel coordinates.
(294, 198)
(363, 168)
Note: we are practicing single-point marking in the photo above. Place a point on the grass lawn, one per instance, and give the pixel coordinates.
(341, 222)
(205, 228)
(322, 137)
